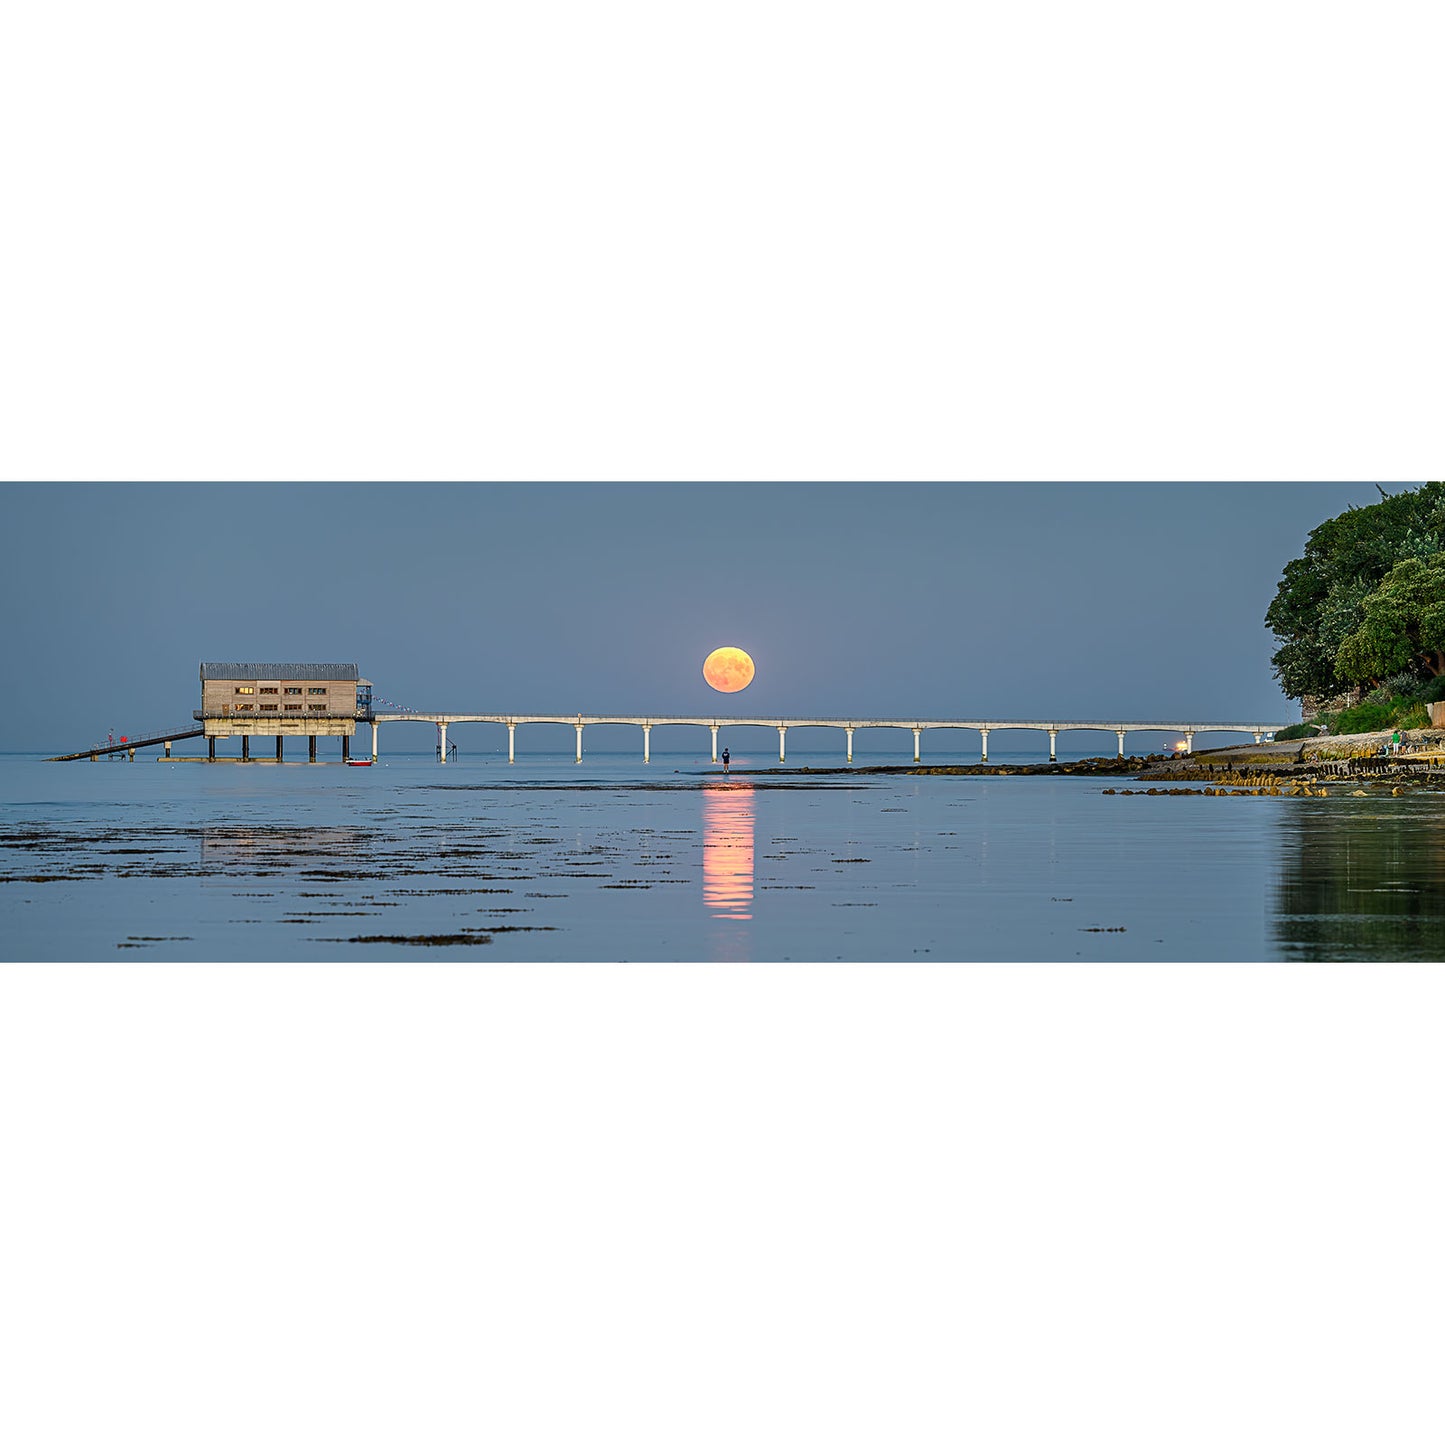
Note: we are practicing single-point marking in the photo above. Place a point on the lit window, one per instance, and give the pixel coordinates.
(245, 707)
(245, 689)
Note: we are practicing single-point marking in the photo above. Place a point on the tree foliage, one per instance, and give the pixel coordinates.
(1321, 597)
(1402, 627)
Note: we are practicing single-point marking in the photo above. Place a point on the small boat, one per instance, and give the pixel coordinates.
(358, 762)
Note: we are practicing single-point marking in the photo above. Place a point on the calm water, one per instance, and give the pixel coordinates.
(550, 859)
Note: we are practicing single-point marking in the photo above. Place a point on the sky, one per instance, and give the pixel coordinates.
(1075, 600)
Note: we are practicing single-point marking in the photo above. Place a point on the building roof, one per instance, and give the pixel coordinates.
(292, 671)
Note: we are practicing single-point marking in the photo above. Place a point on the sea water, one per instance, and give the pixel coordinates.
(611, 858)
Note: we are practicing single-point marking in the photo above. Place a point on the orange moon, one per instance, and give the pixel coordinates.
(728, 669)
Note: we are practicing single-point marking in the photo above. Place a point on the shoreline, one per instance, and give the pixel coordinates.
(1254, 767)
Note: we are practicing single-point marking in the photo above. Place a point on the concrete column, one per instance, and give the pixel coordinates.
(984, 733)
(345, 748)
(849, 731)
(245, 747)
(1189, 742)
(1053, 745)
(917, 734)
(168, 747)
(1259, 737)
(280, 752)
(647, 742)
(442, 734)
(311, 747)
(782, 740)
(130, 754)
(1119, 732)
(95, 757)
(579, 742)
(373, 743)
(511, 742)
(714, 742)
(210, 750)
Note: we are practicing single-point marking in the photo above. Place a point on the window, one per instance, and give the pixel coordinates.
(268, 689)
(293, 707)
(317, 691)
(245, 689)
(318, 707)
(245, 707)
(268, 707)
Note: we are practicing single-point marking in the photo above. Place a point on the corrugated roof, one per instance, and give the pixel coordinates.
(294, 671)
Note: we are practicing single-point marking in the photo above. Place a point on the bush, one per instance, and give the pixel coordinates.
(1299, 730)
(1369, 717)
(1415, 716)
(1434, 690)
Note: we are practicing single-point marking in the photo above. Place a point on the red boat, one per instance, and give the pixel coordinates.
(358, 762)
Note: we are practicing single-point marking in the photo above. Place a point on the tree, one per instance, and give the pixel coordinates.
(1320, 599)
(1402, 627)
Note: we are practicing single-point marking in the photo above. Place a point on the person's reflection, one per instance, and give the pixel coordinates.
(727, 850)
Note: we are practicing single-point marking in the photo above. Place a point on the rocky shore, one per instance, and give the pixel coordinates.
(1308, 765)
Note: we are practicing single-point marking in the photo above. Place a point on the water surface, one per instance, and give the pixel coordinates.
(611, 859)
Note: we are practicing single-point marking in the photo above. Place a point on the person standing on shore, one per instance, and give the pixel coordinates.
(727, 758)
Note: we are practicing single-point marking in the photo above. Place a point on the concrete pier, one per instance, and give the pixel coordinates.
(1052, 728)
(342, 726)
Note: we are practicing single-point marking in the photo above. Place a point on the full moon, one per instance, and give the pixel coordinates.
(728, 669)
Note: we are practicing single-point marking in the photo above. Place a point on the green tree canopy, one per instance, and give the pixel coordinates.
(1403, 625)
(1321, 597)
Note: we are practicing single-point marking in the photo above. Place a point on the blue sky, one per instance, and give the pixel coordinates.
(891, 599)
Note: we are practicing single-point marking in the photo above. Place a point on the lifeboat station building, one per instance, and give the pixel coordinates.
(280, 700)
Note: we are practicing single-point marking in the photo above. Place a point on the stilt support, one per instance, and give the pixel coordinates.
(245, 747)
(280, 748)
(782, 743)
(511, 742)
(647, 742)
(1188, 742)
(1120, 735)
(1053, 745)
(579, 742)
(441, 742)
(983, 732)
(917, 734)
(373, 742)
(345, 748)
(311, 748)
(168, 747)
(849, 731)
(714, 742)
(210, 750)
